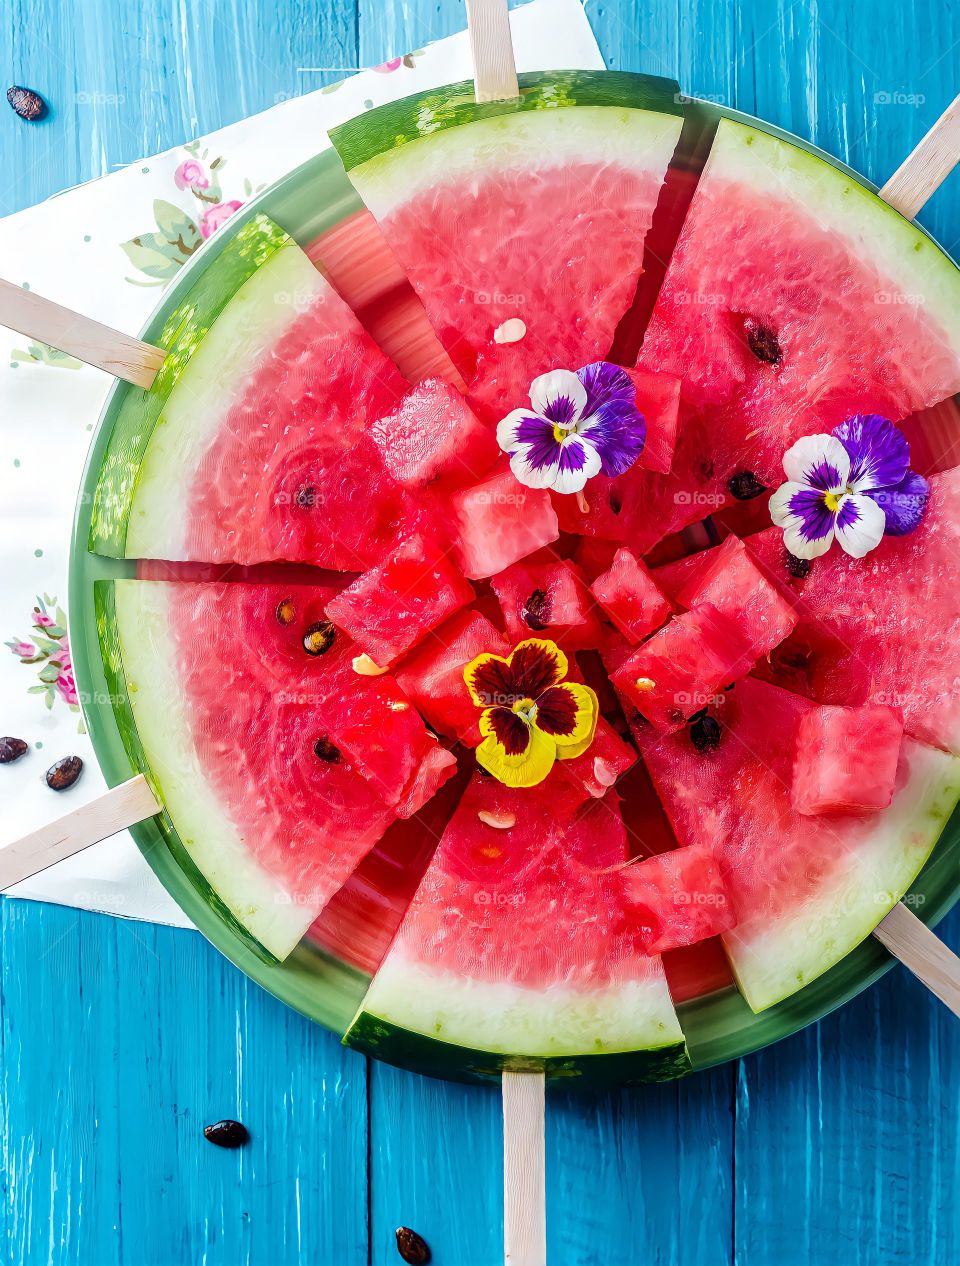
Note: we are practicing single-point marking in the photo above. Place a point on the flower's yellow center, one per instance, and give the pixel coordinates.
(832, 501)
(560, 433)
(526, 710)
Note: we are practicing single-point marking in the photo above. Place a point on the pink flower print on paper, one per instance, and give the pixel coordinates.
(49, 650)
(191, 175)
(214, 217)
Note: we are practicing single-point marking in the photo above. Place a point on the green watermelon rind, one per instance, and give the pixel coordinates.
(183, 332)
(413, 118)
(121, 678)
(837, 202)
(434, 1058)
(786, 954)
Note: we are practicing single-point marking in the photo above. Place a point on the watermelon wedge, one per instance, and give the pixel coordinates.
(260, 418)
(805, 890)
(794, 299)
(517, 947)
(521, 224)
(278, 766)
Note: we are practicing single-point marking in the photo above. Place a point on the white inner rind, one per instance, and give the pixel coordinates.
(528, 140)
(214, 380)
(919, 271)
(510, 1019)
(217, 845)
(774, 956)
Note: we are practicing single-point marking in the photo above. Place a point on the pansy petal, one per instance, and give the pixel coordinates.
(508, 429)
(518, 771)
(605, 383)
(820, 461)
(559, 396)
(569, 714)
(509, 729)
(860, 524)
(619, 432)
(489, 681)
(904, 505)
(879, 453)
(801, 546)
(578, 462)
(535, 454)
(807, 523)
(535, 665)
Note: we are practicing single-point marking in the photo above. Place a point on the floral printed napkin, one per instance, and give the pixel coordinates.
(107, 248)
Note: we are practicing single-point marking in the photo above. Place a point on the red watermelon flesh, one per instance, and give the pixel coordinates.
(433, 435)
(846, 759)
(658, 399)
(884, 629)
(630, 597)
(591, 775)
(432, 675)
(395, 604)
(733, 583)
(498, 521)
(684, 666)
(678, 898)
(549, 600)
(805, 890)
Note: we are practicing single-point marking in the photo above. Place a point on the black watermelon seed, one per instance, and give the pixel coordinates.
(616, 502)
(324, 750)
(798, 567)
(286, 611)
(697, 716)
(29, 105)
(762, 341)
(705, 733)
(64, 773)
(306, 497)
(536, 610)
(412, 1247)
(319, 638)
(744, 485)
(226, 1133)
(11, 749)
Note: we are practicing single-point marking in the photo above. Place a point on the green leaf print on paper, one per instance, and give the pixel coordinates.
(49, 649)
(43, 354)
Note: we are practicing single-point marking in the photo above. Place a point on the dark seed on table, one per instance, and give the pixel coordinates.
(536, 610)
(286, 611)
(226, 1133)
(798, 567)
(11, 749)
(29, 105)
(762, 341)
(64, 773)
(744, 485)
(324, 750)
(412, 1247)
(319, 638)
(705, 734)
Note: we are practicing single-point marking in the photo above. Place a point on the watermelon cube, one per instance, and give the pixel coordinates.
(630, 597)
(846, 759)
(677, 898)
(731, 581)
(434, 435)
(594, 555)
(393, 605)
(431, 676)
(499, 521)
(591, 775)
(658, 399)
(684, 666)
(549, 600)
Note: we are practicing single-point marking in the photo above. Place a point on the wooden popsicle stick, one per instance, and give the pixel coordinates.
(68, 331)
(925, 169)
(524, 1170)
(116, 809)
(491, 46)
(923, 953)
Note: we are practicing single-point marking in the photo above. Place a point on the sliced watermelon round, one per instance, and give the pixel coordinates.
(521, 224)
(518, 945)
(806, 890)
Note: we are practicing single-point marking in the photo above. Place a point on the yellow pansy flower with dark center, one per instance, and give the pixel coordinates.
(531, 715)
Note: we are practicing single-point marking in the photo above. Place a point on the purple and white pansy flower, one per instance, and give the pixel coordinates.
(853, 486)
(580, 425)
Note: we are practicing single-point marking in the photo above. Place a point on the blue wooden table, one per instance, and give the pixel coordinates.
(119, 1041)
